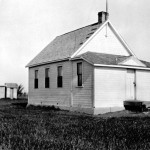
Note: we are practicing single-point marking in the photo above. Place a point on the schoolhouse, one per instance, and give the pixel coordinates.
(89, 70)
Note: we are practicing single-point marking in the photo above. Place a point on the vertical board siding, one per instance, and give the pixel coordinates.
(110, 87)
(143, 85)
(53, 95)
(82, 96)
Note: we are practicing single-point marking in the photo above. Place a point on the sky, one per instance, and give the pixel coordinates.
(27, 26)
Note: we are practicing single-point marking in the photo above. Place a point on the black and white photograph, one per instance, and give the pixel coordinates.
(74, 75)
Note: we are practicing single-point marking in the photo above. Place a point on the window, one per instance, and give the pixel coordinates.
(79, 74)
(47, 78)
(36, 79)
(59, 77)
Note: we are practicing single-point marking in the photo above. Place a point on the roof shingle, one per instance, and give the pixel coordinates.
(101, 58)
(65, 45)
(106, 59)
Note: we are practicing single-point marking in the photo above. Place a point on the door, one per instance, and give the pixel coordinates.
(130, 84)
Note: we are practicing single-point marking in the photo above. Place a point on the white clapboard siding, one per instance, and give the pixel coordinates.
(53, 95)
(143, 85)
(82, 96)
(109, 44)
(110, 86)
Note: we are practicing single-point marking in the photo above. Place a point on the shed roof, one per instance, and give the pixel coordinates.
(101, 58)
(11, 85)
(65, 45)
(2, 85)
(106, 59)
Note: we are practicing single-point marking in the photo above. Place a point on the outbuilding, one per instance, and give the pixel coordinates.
(2, 91)
(9, 90)
(90, 70)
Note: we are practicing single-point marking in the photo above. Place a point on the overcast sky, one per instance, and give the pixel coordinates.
(27, 26)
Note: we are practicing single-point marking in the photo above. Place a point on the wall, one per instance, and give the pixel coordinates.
(143, 85)
(110, 87)
(53, 95)
(2, 92)
(15, 93)
(8, 93)
(79, 97)
(82, 96)
(109, 44)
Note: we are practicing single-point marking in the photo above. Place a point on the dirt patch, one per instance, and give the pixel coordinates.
(125, 113)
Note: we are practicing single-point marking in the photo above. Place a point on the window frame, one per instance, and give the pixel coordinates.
(59, 78)
(36, 84)
(47, 78)
(80, 75)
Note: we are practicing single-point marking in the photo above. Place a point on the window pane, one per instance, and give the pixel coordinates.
(79, 73)
(47, 72)
(79, 80)
(46, 82)
(35, 83)
(36, 74)
(60, 71)
(79, 68)
(59, 81)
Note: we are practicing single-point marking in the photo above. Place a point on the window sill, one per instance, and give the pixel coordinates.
(80, 86)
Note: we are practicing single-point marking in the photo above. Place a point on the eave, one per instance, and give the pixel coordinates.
(121, 66)
(48, 62)
(111, 66)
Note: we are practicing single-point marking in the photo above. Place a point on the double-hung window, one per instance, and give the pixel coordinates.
(59, 77)
(47, 80)
(79, 74)
(36, 79)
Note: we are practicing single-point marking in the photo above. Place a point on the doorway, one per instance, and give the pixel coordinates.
(130, 84)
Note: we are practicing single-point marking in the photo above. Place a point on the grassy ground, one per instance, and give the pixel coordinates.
(36, 128)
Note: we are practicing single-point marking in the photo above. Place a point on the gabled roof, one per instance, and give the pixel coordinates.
(132, 61)
(67, 46)
(106, 59)
(106, 24)
(64, 46)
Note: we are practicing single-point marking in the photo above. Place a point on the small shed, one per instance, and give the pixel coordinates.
(9, 90)
(2, 91)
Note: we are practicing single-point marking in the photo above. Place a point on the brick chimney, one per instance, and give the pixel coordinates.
(102, 16)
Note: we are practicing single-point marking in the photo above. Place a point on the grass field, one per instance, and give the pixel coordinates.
(36, 128)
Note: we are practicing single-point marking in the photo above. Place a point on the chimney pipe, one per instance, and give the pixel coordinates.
(102, 16)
